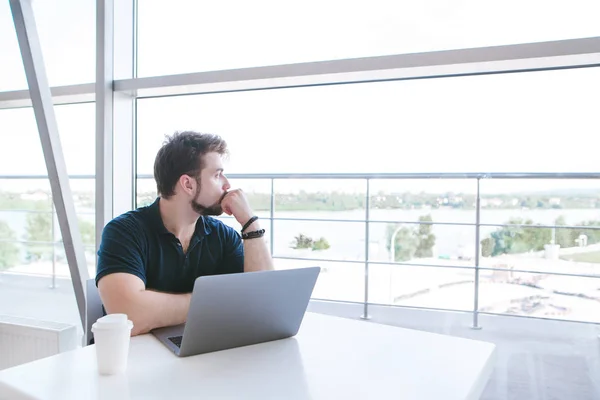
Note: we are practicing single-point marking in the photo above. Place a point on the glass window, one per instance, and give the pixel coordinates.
(22, 153)
(35, 276)
(503, 291)
(533, 122)
(67, 31)
(184, 36)
(429, 287)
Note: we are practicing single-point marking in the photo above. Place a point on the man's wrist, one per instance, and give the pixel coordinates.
(254, 226)
(243, 218)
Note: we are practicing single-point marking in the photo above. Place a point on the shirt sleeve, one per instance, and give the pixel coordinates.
(233, 258)
(121, 250)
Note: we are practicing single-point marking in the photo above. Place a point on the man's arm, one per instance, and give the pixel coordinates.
(257, 256)
(126, 293)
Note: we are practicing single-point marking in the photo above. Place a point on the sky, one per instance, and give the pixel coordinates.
(533, 122)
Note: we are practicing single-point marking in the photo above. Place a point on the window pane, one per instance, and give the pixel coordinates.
(540, 295)
(343, 199)
(145, 192)
(444, 288)
(22, 152)
(317, 239)
(203, 36)
(427, 243)
(67, 31)
(337, 280)
(557, 202)
(35, 277)
(541, 201)
(28, 229)
(494, 123)
(446, 200)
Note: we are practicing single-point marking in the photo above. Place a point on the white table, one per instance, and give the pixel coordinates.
(330, 358)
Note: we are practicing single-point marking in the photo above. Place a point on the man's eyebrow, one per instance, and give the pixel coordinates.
(219, 170)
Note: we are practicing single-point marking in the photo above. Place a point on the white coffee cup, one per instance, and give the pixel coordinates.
(112, 334)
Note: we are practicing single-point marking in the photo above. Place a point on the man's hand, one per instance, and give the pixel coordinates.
(235, 203)
(256, 253)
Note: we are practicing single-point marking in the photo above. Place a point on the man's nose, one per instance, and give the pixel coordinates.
(226, 185)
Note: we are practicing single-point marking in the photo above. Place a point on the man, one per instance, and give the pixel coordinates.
(149, 257)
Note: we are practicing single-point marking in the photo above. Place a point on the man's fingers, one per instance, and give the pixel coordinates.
(223, 197)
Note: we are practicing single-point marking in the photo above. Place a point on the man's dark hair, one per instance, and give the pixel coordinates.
(182, 153)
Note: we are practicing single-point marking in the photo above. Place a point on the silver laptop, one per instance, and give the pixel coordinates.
(234, 310)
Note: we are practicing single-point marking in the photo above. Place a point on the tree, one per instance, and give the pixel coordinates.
(412, 242)
(88, 232)
(564, 236)
(405, 242)
(39, 229)
(531, 238)
(321, 244)
(302, 242)
(9, 252)
(487, 246)
(425, 239)
(516, 239)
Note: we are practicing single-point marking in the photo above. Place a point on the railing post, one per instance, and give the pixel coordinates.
(477, 233)
(365, 314)
(272, 214)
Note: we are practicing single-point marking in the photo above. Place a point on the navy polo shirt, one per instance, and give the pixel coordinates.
(138, 243)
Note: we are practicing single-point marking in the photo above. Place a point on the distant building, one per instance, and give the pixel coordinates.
(493, 202)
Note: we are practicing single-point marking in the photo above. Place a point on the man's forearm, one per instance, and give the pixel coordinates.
(257, 256)
(150, 310)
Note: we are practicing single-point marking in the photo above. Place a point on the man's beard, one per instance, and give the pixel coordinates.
(214, 209)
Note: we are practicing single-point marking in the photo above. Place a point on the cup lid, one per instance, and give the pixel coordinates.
(112, 321)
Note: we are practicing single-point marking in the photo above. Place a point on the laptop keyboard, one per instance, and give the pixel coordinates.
(176, 340)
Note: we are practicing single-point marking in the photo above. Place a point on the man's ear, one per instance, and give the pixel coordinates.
(186, 183)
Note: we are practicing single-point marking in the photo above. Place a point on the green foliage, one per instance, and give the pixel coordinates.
(411, 243)
(318, 201)
(425, 239)
(487, 246)
(405, 242)
(567, 237)
(304, 242)
(564, 237)
(515, 240)
(321, 244)
(39, 229)
(88, 233)
(9, 252)
(14, 201)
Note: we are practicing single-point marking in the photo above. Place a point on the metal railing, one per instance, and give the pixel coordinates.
(368, 179)
(54, 241)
